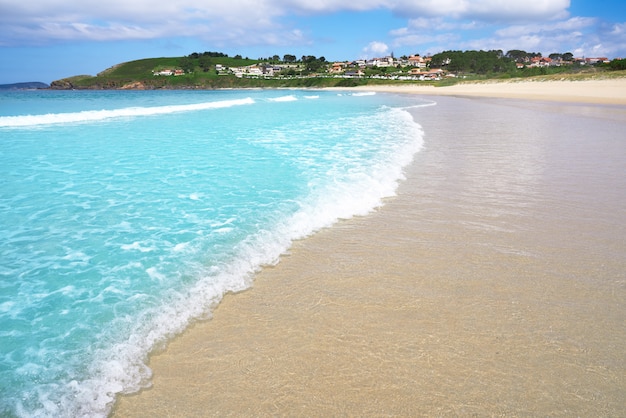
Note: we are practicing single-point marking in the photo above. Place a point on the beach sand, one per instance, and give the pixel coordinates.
(493, 284)
(604, 91)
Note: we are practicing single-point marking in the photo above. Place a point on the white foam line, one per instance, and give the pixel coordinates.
(98, 115)
(290, 98)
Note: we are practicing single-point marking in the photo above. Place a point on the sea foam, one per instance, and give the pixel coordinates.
(99, 115)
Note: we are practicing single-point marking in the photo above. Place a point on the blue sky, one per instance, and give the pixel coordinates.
(45, 40)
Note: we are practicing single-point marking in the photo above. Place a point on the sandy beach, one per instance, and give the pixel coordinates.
(604, 91)
(493, 284)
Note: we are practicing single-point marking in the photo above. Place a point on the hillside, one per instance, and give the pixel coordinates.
(140, 74)
(202, 71)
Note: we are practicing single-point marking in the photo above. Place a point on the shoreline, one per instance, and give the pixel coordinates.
(597, 91)
(434, 304)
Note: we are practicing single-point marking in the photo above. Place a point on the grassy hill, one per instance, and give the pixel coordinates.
(201, 74)
(139, 74)
(141, 71)
(139, 68)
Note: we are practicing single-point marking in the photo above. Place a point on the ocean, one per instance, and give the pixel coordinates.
(125, 216)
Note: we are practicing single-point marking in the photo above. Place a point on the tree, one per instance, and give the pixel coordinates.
(617, 64)
(215, 54)
(478, 62)
(517, 55)
(205, 62)
(187, 64)
(289, 58)
(313, 64)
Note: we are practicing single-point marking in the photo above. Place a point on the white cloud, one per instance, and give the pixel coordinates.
(580, 35)
(85, 31)
(558, 36)
(137, 19)
(376, 49)
(40, 20)
(491, 10)
(431, 24)
(573, 24)
(330, 6)
(618, 29)
(608, 41)
(435, 24)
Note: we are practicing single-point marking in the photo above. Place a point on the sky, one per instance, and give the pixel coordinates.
(46, 40)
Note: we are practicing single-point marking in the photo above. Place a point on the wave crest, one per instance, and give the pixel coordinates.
(100, 115)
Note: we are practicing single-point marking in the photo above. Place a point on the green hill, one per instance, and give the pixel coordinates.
(209, 71)
(138, 68)
(198, 71)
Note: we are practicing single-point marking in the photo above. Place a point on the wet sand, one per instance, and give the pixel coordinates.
(493, 284)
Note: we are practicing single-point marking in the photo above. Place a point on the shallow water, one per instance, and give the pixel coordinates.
(125, 216)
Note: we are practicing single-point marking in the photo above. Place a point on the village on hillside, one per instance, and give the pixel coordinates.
(415, 67)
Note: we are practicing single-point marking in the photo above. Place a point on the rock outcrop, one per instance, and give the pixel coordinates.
(135, 85)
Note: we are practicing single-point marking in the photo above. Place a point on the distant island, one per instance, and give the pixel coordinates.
(29, 85)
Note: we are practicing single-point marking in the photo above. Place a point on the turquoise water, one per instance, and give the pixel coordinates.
(125, 216)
